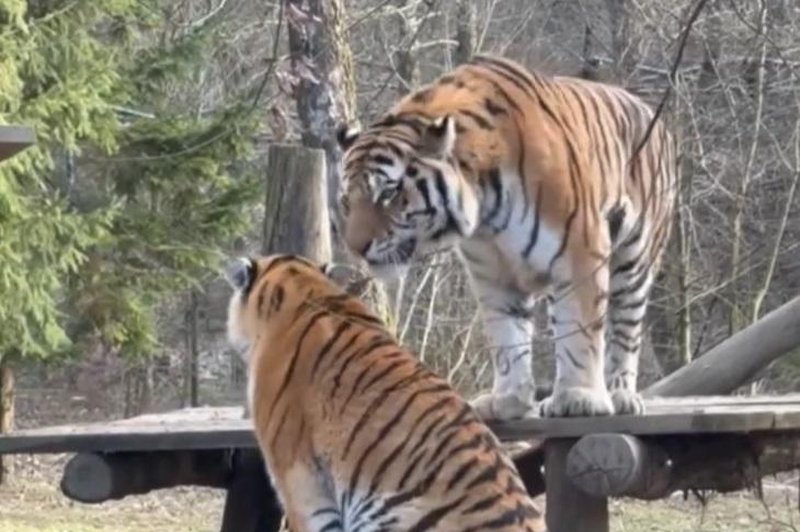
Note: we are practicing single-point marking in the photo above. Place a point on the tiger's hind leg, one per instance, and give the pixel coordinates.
(309, 503)
(631, 279)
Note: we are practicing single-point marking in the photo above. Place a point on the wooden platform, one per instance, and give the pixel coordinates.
(223, 427)
(14, 139)
(700, 443)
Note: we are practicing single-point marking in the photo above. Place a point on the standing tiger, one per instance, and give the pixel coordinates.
(358, 435)
(549, 185)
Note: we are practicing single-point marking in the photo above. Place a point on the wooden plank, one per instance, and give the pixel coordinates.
(671, 416)
(223, 427)
(14, 139)
(194, 428)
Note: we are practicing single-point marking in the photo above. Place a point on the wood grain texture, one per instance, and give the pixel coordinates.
(296, 218)
(224, 427)
(568, 508)
(656, 466)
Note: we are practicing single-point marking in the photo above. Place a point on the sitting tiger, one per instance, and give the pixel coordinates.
(549, 186)
(355, 432)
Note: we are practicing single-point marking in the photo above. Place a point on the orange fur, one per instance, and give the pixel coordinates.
(549, 185)
(356, 433)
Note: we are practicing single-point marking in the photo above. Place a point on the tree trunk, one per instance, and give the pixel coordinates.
(325, 98)
(6, 406)
(405, 62)
(590, 63)
(190, 395)
(624, 42)
(325, 94)
(682, 239)
(739, 307)
(466, 30)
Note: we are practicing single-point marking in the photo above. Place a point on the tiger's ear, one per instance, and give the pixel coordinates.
(346, 135)
(439, 137)
(240, 273)
(351, 279)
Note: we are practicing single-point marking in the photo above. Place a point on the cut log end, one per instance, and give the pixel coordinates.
(616, 464)
(88, 478)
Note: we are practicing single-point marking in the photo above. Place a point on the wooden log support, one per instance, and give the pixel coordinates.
(568, 508)
(98, 477)
(604, 465)
(736, 360)
(251, 504)
(296, 218)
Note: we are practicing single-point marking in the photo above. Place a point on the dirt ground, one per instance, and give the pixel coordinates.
(31, 502)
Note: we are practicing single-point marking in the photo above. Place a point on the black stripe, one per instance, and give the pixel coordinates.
(386, 371)
(340, 330)
(376, 342)
(461, 472)
(382, 160)
(535, 232)
(450, 222)
(386, 428)
(331, 526)
(521, 174)
(422, 187)
(517, 515)
(379, 472)
(293, 363)
(492, 108)
(573, 360)
(277, 261)
(516, 75)
(416, 456)
(432, 518)
(488, 475)
(487, 503)
(419, 374)
(493, 178)
(482, 122)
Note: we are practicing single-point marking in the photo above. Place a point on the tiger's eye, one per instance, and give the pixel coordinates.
(387, 195)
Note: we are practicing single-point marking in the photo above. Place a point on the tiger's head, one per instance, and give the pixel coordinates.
(267, 289)
(403, 194)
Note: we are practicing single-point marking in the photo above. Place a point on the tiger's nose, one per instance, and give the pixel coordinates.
(365, 248)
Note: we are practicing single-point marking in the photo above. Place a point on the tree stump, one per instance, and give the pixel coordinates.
(296, 218)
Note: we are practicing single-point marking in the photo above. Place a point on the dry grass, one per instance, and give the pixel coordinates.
(32, 502)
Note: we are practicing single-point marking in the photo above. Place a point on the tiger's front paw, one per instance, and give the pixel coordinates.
(627, 402)
(503, 407)
(575, 401)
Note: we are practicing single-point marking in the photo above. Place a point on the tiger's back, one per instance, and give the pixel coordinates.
(356, 433)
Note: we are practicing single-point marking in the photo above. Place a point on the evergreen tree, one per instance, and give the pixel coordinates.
(180, 181)
(107, 216)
